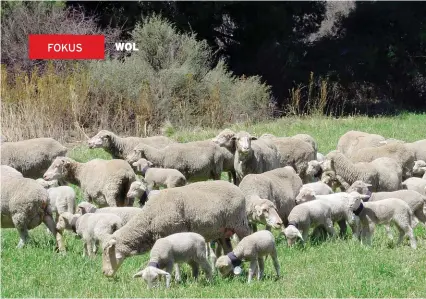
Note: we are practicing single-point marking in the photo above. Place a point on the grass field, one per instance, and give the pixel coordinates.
(334, 268)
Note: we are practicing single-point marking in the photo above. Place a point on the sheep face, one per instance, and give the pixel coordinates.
(142, 164)
(58, 170)
(243, 143)
(355, 200)
(314, 167)
(135, 155)
(305, 194)
(64, 221)
(266, 213)
(86, 207)
(419, 167)
(110, 260)
(136, 190)
(102, 139)
(225, 139)
(151, 276)
(360, 187)
(292, 233)
(224, 265)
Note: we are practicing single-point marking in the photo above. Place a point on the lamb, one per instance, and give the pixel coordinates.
(397, 151)
(31, 157)
(416, 184)
(92, 228)
(419, 168)
(383, 211)
(24, 205)
(104, 182)
(214, 209)
(251, 248)
(280, 186)
(293, 152)
(159, 177)
(352, 141)
(61, 199)
(195, 160)
(384, 174)
(177, 248)
(120, 147)
(319, 188)
(125, 213)
(48, 184)
(262, 211)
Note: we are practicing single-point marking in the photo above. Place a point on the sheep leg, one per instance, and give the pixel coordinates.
(23, 237)
(406, 229)
(388, 231)
(177, 273)
(274, 257)
(48, 221)
(252, 270)
(89, 248)
(85, 252)
(261, 263)
(367, 233)
(203, 262)
(343, 227)
(329, 226)
(195, 269)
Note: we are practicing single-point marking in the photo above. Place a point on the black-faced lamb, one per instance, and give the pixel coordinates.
(251, 248)
(214, 209)
(104, 182)
(31, 157)
(172, 250)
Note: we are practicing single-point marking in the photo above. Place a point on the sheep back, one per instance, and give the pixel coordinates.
(352, 141)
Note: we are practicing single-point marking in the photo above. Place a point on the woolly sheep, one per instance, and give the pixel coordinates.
(48, 184)
(280, 186)
(319, 188)
(10, 171)
(120, 147)
(419, 168)
(308, 139)
(383, 173)
(214, 209)
(125, 213)
(24, 205)
(61, 199)
(416, 184)
(31, 157)
(195, 160)
(159, 177)
(383, 211)
(352, 141)
(419, 148)
(397, 151)
(104, 182)
(177, 248)
(251, 248)
(92, 228)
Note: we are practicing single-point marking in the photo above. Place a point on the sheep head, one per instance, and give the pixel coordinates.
(314, 168)
(292, 233)
(111, 260)
(48, 184)
(86, 207)
(224, 265)
(355, 200)
(360, 187)
(243, 142)
(225, 139)
(137, 153)
(151, 274)
(64, 221)
(419, 167)
(305, 194)
(265, 212)
(102, 139)
(142, 165)
(59, 169)
(136, 190)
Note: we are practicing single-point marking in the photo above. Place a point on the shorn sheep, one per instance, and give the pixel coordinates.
(174, 249)
(352, 141)
(214, 209)
(251, 248)
(25, 205)
(104, 182)
(31, 157)
(120, 147)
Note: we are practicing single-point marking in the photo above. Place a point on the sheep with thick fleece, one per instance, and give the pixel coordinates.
(199, 160)
(10, 171)
(352, 141)
(104, 182)
(384, 174)
(251, 248)
(397, 151)
(125, 213)
(280, 186)
(31, 157)
(120, 147)
(92, 228)
(419, 169)
(416, 184)
(24, 205)
(383, 211)
(214, 209)
(159, 177)
(174, 249)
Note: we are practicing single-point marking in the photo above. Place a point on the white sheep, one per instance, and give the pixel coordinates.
(177, 248)
(93, 228)
(104, 182)
(48, 184)
(251, 248)
(125, 213)
(419, 168)
(320, 188)
(352, 141)
(416, 184)
(383, 211)
(159, 177)
(31, 157)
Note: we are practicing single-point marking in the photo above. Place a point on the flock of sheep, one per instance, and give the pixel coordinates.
(281, 182)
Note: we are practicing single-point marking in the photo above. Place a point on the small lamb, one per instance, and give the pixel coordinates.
(251, 248)
(177, 248)
(320, 188)
(92, 228)
(419, 168)
(159, 177)
(383, 211)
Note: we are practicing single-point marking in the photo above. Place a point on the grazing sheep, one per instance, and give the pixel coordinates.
(383, 211)
(125, 213)
(262, 211)
(120, 147)
(104, 182)
(251, 248)
(214, 209)
(384, 174)
(159, 177)
(24, 205)
(92, 228)
(195, 160)
(177, 248)
(31, 157)
(397, 151)
(352, 141)
(416, 184)
(293, 152)
(419, 169)
(280, 186)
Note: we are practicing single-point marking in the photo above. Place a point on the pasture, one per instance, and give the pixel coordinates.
(331, 268)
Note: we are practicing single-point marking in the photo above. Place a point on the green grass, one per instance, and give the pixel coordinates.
(334, 268)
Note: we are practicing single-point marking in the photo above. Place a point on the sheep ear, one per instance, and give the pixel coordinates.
(299, 235)
(139, 274)
(368, 185)
(81, 210)
(253, 138)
